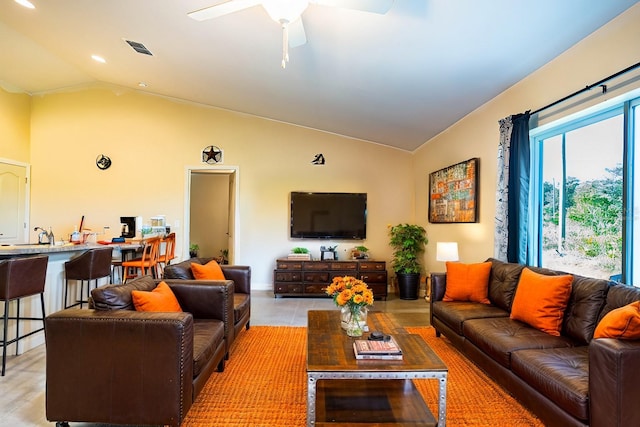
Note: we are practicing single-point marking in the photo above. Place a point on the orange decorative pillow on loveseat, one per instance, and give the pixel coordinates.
(540, 300)
(208, 271)
(161, 298)
(621, 323)
(467, 282)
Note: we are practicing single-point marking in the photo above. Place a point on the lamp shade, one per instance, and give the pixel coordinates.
(447, 251)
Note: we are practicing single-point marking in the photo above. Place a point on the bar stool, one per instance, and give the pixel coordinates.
(93, 264)
(165, 258)
(116, 265)
(20, 278)
(146, 264)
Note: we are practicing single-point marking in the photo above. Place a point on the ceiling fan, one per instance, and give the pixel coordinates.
(288, 14)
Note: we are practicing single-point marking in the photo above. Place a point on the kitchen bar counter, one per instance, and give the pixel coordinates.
(54, 286)
(10, 251)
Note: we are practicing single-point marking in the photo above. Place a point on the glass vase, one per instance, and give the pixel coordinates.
(353, 320)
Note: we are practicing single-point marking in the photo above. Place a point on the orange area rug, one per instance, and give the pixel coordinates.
(264, 384)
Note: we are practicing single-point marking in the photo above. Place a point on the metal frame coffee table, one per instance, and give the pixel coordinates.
(344, 391)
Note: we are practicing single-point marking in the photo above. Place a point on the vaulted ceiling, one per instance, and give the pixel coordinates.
(396, 79)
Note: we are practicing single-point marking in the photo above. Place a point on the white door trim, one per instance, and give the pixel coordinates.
(234, 252)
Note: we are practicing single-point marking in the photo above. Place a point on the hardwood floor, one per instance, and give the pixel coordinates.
(22, 388)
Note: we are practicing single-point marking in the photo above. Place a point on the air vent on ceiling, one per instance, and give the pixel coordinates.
(139, 47)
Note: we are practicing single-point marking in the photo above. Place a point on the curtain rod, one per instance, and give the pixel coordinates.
(589, 87)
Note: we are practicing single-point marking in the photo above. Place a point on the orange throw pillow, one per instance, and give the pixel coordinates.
(622, 323)
(540, 300)
(467, 282)
(161, 298)
(208, 271)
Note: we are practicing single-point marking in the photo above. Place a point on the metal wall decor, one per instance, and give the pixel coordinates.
(103, 162)
(453, 193)
(212, 155)
(318, 159)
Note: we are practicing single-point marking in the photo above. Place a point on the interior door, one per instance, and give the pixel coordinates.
(14, 186)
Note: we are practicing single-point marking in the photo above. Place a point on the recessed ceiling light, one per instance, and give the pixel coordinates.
(142, 84)
(98, 58)
(25, 3)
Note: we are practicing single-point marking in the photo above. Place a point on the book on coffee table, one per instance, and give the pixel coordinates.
(377, 350)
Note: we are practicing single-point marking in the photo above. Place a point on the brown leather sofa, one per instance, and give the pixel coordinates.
(570, 380)
(241, 276)
(112, 364)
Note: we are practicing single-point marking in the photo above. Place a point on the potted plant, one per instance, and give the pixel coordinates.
(408, 242)
(224, 256)
(360, 252)
(193, 250)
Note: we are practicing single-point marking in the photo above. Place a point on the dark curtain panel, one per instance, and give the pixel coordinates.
(518, 189)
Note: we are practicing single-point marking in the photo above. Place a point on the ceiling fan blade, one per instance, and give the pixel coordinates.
(373, 6)
(221, 9)
(297, 36)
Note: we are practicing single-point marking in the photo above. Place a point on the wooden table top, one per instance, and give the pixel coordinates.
(329, 349)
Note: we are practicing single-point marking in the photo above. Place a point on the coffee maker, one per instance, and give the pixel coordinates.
(128, 226)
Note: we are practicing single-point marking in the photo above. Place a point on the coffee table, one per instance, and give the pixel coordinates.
(344, 391)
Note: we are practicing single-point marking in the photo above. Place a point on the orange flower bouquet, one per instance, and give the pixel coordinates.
(353, 296)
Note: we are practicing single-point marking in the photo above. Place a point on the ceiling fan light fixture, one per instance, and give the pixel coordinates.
(285, 11)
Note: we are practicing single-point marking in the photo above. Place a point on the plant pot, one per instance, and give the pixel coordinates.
(408, 284)
(193, 254)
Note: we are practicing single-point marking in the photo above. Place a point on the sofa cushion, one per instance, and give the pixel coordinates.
(159, 299)
(588, 296)
(241, 306)
(208, 271)
(208, 334)
(541, 300)
(560, 374)
(618, 296)
(182, 270)
(503, 282)
(467, 282)
(499, 337)
(621, 323)
(455, 313)
(118, 297)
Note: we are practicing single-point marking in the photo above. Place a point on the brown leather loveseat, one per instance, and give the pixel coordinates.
(566, 380)
(112, 364)
(241, 276)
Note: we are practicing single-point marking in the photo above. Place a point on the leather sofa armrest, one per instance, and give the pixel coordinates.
(614, 375)
(438, 286)
(241, 276)
(107, 365)
(206, 299)
(436, 292)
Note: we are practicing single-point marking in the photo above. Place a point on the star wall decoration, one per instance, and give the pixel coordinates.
(212, 155)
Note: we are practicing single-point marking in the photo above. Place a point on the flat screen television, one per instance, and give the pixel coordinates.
(328, 215)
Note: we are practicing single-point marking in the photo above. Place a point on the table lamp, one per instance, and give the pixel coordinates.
(447, 251)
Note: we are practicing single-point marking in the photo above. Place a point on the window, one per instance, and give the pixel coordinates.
(582, 185)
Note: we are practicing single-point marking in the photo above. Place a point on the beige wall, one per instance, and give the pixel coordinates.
(608, 50)
(14, 126)
(151, 140)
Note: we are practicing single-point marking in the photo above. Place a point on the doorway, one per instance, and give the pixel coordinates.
(210, 212)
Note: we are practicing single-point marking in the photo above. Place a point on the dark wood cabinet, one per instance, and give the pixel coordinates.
(309, 278)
